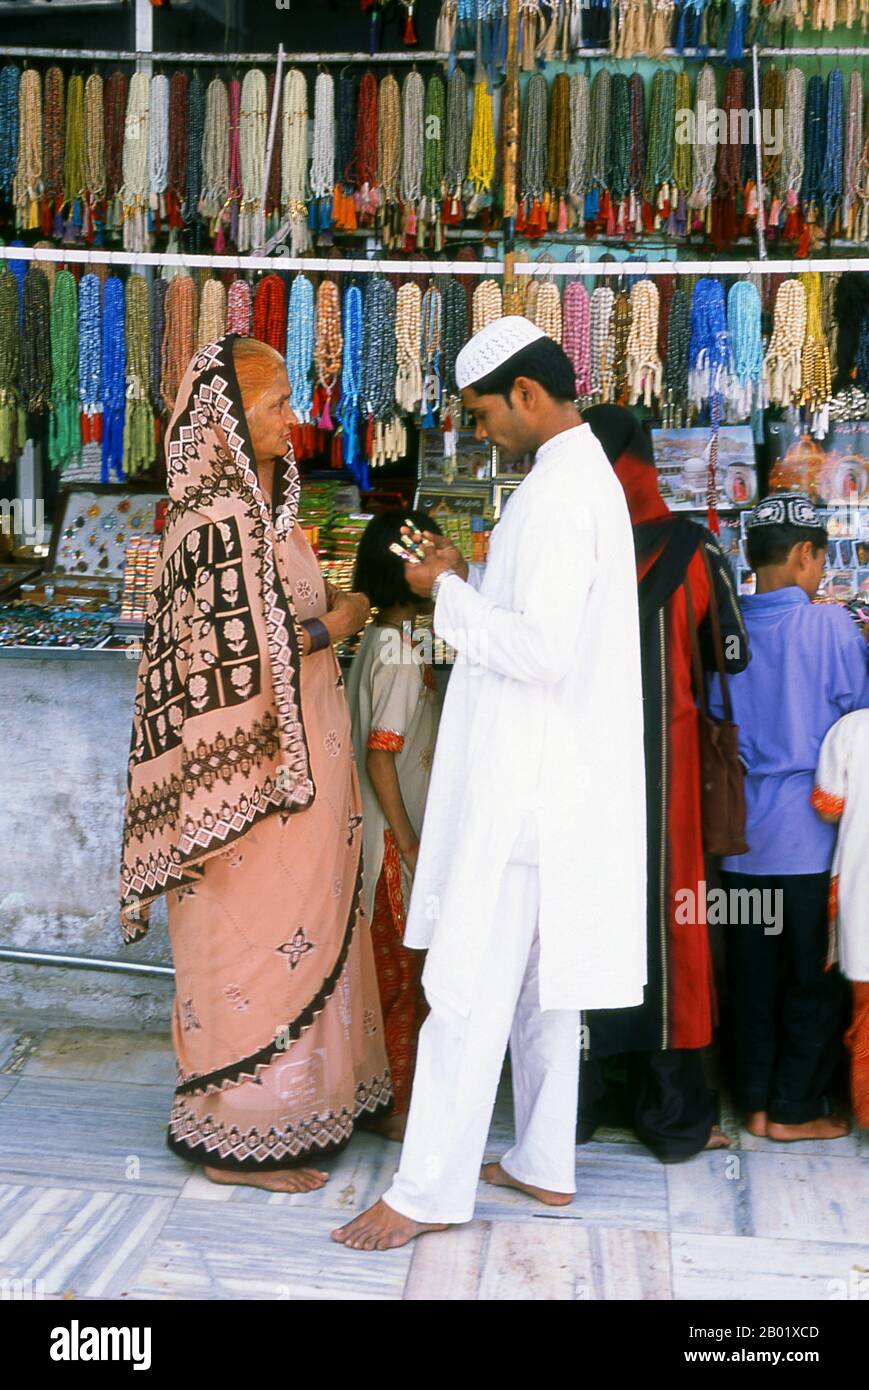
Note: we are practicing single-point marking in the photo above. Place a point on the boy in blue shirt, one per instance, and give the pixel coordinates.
(808, 668)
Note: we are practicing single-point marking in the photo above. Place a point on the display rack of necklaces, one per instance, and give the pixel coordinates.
(94, 525)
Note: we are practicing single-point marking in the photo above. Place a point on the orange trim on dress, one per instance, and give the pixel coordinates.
(385, 741)
(826, 803)
(832, 921)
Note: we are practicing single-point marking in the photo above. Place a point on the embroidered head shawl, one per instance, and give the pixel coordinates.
(217, 741)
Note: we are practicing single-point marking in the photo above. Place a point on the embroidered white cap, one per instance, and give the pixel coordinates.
(493, 346)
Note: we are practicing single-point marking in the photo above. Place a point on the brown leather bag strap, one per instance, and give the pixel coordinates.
(697, 664)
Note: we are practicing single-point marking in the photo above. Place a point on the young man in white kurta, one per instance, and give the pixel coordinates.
(530, 885)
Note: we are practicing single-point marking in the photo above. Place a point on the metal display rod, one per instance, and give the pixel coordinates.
(486, 268)
(115, 967)
(404, 56)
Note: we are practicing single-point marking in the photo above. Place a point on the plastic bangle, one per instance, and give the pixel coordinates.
(318, 633)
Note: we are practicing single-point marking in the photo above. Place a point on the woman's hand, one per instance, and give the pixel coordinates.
(348, 615)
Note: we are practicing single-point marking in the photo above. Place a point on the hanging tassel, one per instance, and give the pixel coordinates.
(561, 225)
(409, 31)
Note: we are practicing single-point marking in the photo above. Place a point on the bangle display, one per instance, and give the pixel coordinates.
(318, 633)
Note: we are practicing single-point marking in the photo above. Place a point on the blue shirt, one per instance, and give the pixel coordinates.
(808, 667)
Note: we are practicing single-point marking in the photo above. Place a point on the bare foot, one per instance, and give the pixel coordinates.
(756, 1123)
(279, 1180)
(827, 1127)
(493, 1173)
(392, 1127)
(716, 1139)
(381, 1228)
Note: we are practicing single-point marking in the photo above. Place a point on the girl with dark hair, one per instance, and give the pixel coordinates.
(660, 1042)
(395, 709)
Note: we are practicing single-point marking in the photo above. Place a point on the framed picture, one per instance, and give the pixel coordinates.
(833, 471)
(682, 462)
(511, 468)
(472, 461)
(503, 491)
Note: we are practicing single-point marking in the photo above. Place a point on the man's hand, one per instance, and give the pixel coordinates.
(422, 575)
(446, 550)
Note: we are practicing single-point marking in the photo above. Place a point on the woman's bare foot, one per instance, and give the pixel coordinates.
(392, 1127)
(493, 1173)
(716, 1139)
(827, 1127)
(756, 1123)
(381, 1228)
(278, 1180)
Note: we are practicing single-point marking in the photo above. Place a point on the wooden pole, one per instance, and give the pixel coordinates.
(511, 140)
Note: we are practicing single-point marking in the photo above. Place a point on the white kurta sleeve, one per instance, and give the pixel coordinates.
(556, 563)
(476, 574)
(831, 778)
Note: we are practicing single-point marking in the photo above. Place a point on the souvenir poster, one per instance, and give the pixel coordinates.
(833, 471)
(846, 570)
(454, 457)
(682, 463)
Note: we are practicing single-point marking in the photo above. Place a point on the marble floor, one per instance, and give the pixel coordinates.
(93, 1205)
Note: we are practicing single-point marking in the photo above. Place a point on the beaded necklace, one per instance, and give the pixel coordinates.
(134, 194)
(704, 151)
(294, 158)
(676, 360)
(52, 152)
(158, 145)
(90, 389)
(178, 336)
(433, 157)
(378, 370)
(481, 160)
(389, 156)
(239, 308)
(157, 317)
(457, 142)
(853, 133)
(547, 310)
(619, 152)
(115, 110)
(215, 154)
(660, 27)
(253, 130)
(782, 366)
(114, 381)
(683, 162)
(270, 312)
(35, 353)
(346, 127)
(351, 373)
(10, 80)
(28, 170)
(212, 313)
(658, 173)
(323, 148)
(408, 332)
(274, 218)
(793, 153)
(177, 172)
(532, 158)
(300, 348)
(600, 313)
(234, 193)
(746, 348)
(644, 369)
(599, 125)
(432, 327)
(708, 351)
(637, 162)
(815, 389)
(811, 187)
(620, 328)
(362, 172)
(455, 331)
(74, 182)
(487, 304)
(579, 138)
(328, 347)
(576, 335)
(94, 152)
(64, 432)
(195, 127)
(558, 155)
(772, 95)
(831, 172)
(413, 135)
(139, 443)
(9, 351)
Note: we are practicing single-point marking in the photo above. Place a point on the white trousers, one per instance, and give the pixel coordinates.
(458, 1068)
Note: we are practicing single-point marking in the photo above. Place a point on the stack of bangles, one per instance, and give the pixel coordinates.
(318, 633)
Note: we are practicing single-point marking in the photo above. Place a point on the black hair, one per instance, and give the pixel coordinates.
(771, 545)
(379, 574)
(542, 361)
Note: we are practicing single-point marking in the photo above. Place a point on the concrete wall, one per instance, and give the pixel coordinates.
(64, 737)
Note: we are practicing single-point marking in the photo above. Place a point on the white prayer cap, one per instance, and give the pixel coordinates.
(493, 346)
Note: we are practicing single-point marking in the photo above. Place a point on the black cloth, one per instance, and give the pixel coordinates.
(662, 1096)
(787, 1014)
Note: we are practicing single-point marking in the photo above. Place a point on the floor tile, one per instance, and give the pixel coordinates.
(615, 1186)
(87, 1243)
(235, 1252)
(110, 1134)
(710, 1193)
(447, 1265)
(735, 1268)
(7, 1084)
(538, 1260)
(846, 1147)
(801, 1197)
(94, 1054)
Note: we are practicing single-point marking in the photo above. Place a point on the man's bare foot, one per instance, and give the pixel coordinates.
(392, 1127)
(756, 1123)
(493, 1173)
(827, 1127)
(716, 1139)
(278, 1180)
(381, 1228)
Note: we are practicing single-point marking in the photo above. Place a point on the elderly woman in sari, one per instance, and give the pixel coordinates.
(243, 803)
